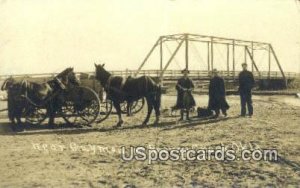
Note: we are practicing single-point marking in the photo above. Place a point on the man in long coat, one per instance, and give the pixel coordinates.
(217, 95)
(185, 99)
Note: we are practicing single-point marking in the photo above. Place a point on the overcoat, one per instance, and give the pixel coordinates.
(185, 99)
(217, 95)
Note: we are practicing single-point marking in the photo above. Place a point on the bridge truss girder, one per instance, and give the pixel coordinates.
(249, 48)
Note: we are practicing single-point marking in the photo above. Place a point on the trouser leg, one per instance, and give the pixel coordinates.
(249, 104)
(187, 114)
(224, 111)
(181, 114)
(243, 104)
(217, 111)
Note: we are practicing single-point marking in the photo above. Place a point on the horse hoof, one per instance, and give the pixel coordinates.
(119, 124)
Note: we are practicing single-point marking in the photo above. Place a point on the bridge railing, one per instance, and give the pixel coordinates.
(171, 74)
(168, 74)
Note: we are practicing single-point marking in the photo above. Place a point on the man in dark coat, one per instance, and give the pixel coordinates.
(246, 83)
(217, 95)
(185, 99)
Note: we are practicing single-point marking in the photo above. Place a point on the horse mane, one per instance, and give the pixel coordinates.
(103, 76)
(65, 72)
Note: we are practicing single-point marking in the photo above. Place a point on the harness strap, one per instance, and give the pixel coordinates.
(108, 82)
(61, 85)
(107, 86)
(30, 100)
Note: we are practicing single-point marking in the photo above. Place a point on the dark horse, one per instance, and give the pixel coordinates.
(48, 94)
(129, 90)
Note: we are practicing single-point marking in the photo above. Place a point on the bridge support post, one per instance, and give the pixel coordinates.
(252, 53)
(233, 59)
(171, 58)
(252, 60)
(227, 60)
(147, 57)
(186, 51)
(161, 57)
(245, 55)
(208, 57)
(212, 52)
(279, 66)
(269, 63)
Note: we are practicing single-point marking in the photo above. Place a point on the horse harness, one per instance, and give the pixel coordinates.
(108, 86)
(61, 85)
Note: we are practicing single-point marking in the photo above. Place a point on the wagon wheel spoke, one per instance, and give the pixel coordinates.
(105, 110)
(83, 108)
(34, 115)
(137, 105)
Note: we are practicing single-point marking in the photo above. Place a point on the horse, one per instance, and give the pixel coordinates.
(48, 94)
(128, 90)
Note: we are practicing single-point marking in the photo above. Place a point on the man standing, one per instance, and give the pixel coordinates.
(246, 83)
(217, 95)
(185, 99)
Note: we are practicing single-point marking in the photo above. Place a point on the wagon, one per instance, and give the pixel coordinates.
(82, 105)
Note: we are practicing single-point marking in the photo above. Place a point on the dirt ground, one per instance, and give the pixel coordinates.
(70, 157)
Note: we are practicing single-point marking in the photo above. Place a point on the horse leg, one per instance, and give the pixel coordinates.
(157, 112)
(150, 108)
(129, 105)
(51, 115)
(118, 109)
(51, 121)
(17, 116)
(13, 124)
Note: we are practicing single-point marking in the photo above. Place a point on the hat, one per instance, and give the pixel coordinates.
(244, 64)
(185, 71)
(214, 71)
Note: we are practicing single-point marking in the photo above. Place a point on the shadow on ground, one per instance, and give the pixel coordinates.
(71, 129)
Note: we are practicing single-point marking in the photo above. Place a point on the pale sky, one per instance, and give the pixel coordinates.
(42, 36)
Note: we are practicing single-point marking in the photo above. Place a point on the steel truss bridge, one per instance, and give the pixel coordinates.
(184, 40)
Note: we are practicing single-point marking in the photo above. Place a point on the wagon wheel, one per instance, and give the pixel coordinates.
(135, 108)
(82, 106)
(105, 108)
(34, 115)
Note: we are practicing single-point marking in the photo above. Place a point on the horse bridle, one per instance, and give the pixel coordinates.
(61, 85)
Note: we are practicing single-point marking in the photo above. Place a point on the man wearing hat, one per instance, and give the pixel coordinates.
(246, 83)
(217, 94)
(185, 99)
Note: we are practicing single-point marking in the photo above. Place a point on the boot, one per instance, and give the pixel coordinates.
(187, 115)
(181, 115)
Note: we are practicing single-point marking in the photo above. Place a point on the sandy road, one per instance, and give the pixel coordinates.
(68, 157)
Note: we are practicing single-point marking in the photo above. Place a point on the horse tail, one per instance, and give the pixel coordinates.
(158, 92)
(155, 90)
